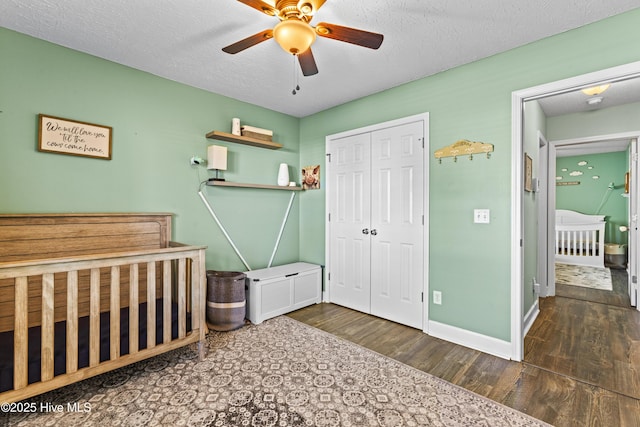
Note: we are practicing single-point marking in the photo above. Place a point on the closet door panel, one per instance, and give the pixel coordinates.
(350, 207)
(396, 224)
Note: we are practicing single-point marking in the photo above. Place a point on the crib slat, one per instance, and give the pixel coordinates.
(46, 360)
(151, 305)
(166, 301)
(72, 321)
(579, 243)
(114, 317)
(21, 333)
(198, 285)
(182, 302)
(133, 309)
(94, 317)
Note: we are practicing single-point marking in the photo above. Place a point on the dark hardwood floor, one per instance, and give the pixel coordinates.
(591, 335)
(618, 296)
(558, 399)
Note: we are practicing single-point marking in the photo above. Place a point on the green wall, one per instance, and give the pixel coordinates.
(591, 196)
(469, 263)
(157, 126)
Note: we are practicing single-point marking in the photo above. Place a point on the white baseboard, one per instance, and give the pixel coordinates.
(471, 339)
(530, 317)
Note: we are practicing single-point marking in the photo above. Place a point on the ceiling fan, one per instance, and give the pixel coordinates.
(294, 33)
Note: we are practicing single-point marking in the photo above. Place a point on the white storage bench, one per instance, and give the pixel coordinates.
(282, 289)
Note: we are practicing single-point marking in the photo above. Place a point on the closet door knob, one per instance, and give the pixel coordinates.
(374, 232)
(365, 231)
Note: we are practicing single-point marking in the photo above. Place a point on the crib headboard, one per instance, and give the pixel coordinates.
(45, 236)
(41, 237)
(567, 217)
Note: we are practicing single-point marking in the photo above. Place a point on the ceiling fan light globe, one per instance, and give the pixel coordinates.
(294, 36)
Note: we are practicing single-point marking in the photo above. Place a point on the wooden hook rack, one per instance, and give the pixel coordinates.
(464, 147)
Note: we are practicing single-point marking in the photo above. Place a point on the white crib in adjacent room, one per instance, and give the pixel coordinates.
(579, 238)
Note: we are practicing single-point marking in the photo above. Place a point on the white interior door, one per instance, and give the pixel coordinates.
(397, 223)
(350, 209)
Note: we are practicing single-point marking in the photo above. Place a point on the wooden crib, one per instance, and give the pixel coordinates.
(83, 294)
(579, 238)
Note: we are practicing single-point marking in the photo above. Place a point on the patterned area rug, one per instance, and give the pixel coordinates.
(586, 277)
(280, 373)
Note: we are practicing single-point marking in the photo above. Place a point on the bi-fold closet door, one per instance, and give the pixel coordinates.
(375, 229)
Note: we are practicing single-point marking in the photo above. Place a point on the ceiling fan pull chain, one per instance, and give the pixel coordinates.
(296, 77)
(293, 92)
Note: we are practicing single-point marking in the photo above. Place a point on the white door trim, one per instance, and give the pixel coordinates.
(517, 102)
(543, 219)
(424, 117)
(632, 226)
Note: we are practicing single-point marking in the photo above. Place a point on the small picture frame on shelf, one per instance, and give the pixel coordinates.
(311, 177)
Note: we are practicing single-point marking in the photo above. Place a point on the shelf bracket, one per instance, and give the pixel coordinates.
(215, 217)
(284, 222)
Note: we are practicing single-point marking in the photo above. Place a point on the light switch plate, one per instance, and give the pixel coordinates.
(481, 216)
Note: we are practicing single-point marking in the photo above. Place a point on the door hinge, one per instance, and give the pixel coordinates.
(329, 217)
(422, 219)
(634, 279)
(328, 157)
(329, 276)
(635, 157)
(422, 297)
(520, 242)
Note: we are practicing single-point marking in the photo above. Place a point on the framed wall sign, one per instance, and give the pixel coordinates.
(64, 136)
(528, 173)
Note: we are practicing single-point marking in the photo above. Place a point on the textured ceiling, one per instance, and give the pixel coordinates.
(182, 40)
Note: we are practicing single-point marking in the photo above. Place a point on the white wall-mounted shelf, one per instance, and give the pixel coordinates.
(259, 186)
(254, 142)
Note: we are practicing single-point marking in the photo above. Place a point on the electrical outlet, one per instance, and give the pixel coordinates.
(481, 216)
(437, 297)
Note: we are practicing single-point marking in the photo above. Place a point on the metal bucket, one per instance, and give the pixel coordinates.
(226, 302)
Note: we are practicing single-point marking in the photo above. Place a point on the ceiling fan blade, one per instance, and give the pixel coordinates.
(262, 6)
(307, 63)
(350, 35)
(248, 42)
